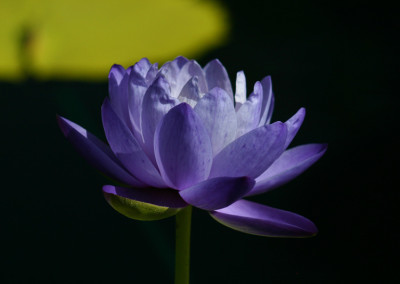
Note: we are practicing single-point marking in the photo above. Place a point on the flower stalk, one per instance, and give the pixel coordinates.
(182, 245)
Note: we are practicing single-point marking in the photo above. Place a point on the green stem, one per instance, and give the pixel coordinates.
(182, 245)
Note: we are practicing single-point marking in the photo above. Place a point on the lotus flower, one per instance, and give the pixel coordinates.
(179, 136)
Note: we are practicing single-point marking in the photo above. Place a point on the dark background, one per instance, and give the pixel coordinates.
(337, 60)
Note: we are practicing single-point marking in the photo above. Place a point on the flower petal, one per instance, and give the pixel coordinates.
(156, 103)
(170, 70)
(253, 218)
(251, 154)
(157, 196)
(96, 152)
(293, 124)
(189, 70)
(248, 115)
(182, 148)
(145, 204)
(151, 74)
(217, 193)
(142, 67)
(218, 115)
(240, 95)
(127, 148)
(216, 76)
(288, 166)
(137, 87)
(190, 93)
(116, 74)
(267, 101)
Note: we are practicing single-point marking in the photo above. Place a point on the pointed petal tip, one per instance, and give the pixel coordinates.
(183, 108)
(258, 87)
(288, 166)
(214, 61)
(117, 71)
(324, 147)
(302, 111)
(267, 78)
(61, 121)
(66, 125)
(257, 219)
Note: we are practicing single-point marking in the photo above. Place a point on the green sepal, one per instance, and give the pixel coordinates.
(138, 210)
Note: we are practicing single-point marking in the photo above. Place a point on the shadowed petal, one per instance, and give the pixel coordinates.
(293, 124)
(216, 76)
(216, 112)
(248, 115)
(145, 204)
(217, 193)
(156, 103)
(288, 166)
(240, 95)
(267, 101)
(253, 218)
(251, 154)
(97, 153)
(127, 148)
(157, 196)
(182, 148)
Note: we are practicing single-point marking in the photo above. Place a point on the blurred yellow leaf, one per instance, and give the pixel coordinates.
(81, 39)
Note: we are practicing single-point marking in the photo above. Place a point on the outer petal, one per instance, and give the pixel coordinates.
(96, 152)
(216, 111)
(137, 87)
(248, 115)
(293, 125)
(182, 148)
(127, 148)
(267, 101)
(217, 193)
(116, 74)
(119, 95)
(216, 76)
(156, 196)
(156, 103)
(251, 154)
(146, 204)
(240, 95)
(288, 166)
(257, 219)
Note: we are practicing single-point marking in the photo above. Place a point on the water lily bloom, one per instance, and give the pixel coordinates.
(178, 136)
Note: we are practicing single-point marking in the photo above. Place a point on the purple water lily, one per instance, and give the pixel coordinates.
(179, 136)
